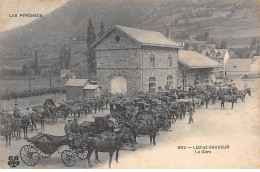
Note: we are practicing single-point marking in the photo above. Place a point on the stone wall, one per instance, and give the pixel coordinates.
(118, 56)
(161, 68)
(133, 78)
(130, 58)
(116, 40)
(161, 77)
(161, 57)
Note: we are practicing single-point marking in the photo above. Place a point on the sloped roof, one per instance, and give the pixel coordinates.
(220, 53)
(238, 65)
(91, 87)
(143, 37)
(77, 82)
(255, 66)
(193, 59)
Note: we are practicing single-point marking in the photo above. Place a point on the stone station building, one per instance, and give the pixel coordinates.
(134, 60)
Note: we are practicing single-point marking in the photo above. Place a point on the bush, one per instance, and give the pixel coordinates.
(27, 93)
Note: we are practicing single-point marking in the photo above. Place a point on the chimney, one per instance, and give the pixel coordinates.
(168, 35)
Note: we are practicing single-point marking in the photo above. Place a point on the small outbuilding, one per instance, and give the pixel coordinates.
(74, 88)
(92, 91)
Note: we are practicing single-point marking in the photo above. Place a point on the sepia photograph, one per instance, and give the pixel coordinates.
(129, 84)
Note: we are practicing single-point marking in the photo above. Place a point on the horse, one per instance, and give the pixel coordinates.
(25, 123)
(106, 142)
(74, 110)
(15, 125)
(33, 120)
(228, 98)
(248, 91)
(146, 128)
(174, 111)
(213, 96)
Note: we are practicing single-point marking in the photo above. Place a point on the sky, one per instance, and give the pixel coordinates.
(11, 7)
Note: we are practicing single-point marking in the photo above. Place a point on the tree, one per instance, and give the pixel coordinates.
(36, 63)
(202, 37)
(63, 57)
(253, 43)
(67, 62)
(91, 37)
(102, 30)
(223, 45)
(24, 69)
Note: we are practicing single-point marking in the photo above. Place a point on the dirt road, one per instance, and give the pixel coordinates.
(237, 130)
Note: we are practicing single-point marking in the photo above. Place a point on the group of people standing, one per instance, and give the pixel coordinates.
(13, 123)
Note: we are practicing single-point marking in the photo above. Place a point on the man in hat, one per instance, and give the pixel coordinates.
(191, 114)
(75, 128)
(207, 100)
(67, 127)
(26, 112)
(7, 132)
(222, 103)
(16, 111)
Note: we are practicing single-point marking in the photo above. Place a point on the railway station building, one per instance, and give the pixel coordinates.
(135, 60)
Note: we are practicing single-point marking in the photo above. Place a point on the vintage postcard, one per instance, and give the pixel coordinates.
(129, 84)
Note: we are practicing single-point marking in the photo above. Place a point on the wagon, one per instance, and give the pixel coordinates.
(49, 119)
(100, 124)
(57, 111)
(44, 145)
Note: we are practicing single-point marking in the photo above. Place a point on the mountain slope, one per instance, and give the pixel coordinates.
(55, 29)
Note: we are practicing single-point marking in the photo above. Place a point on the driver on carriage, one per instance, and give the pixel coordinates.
(48, 113)
(76, 130)
(75, 127)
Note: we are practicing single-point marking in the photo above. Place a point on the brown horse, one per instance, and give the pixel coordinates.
(106, 142)
(146, 128)
(74, 110)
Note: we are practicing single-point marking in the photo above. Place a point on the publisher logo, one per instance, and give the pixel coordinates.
(13, 161)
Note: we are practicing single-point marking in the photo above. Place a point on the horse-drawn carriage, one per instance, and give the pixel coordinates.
(44, 145)
(100, 124)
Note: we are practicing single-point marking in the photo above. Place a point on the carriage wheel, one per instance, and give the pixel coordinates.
(68, 158)
(81, 153)
(29, 155)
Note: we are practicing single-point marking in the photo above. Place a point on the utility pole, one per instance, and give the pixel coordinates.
(50, 70)
(30, 86)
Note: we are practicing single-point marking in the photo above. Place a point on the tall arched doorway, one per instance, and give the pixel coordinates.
(118, 85)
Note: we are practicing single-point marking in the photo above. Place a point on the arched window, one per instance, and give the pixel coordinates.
(152, 61)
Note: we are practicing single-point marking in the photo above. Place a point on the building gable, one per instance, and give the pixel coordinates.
(116, 39)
